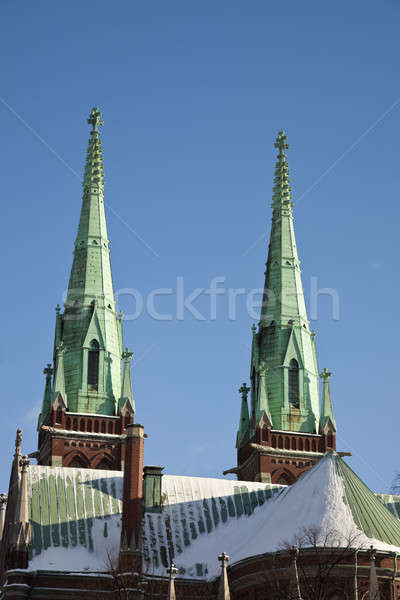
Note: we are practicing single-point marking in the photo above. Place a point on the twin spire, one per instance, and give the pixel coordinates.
(284, 369)
(91, 371)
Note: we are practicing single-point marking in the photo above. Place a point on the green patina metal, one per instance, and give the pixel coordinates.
(283, 340)
(244, 413)
(326, 407)
(89, 323)
(369, 512)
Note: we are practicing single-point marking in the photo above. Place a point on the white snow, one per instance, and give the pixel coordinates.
(316, 501)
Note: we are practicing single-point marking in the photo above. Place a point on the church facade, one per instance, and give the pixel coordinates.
(90, 518)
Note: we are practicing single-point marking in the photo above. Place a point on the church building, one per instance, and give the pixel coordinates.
(85, 517)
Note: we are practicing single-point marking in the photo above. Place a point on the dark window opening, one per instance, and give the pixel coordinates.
(93, 364)
(59, 415)
(82, 425)
(294, 383)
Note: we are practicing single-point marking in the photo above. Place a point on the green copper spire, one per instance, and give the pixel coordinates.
(244, 421)
(326, 408)
(88, 371)
(284, 371)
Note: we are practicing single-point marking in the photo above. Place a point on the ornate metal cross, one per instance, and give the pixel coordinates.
(244, 390)
(325, 375)
(223, 559)
(281, 142)
(127, 355)
(48, 371)
(95, 119)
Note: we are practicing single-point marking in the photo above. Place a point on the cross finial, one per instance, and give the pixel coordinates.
(127, 354)
(95, 119)
(244, 390)
(325, 375)
(172, 571)
(3, 501)
(281, 142)
(48, 371)
(372, 553)
(223, 559)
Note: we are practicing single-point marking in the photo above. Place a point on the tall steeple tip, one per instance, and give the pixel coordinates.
(281, 193)
(93, 178)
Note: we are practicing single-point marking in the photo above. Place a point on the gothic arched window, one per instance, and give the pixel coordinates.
(93, 364)
(294, 383)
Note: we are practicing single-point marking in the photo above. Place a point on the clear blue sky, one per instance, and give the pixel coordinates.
(193, 94)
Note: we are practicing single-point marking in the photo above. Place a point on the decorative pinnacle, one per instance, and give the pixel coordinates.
(281, 142)
(3, 501)
(18, 441)
(24, 462)
(223, 559)
(372, 554)
(244, 390)
(325, 375)
(172, 571)
(127, 355)
(95, 120)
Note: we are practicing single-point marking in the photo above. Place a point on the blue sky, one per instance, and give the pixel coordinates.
(193, 94)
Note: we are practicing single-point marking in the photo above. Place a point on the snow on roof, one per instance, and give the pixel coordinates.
(76, 517)
(197, 524)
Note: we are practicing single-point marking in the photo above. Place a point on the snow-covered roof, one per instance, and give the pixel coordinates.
(329, 498)
(76, 517)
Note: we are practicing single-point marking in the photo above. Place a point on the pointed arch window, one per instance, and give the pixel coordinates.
(93, 364)
(294, 383)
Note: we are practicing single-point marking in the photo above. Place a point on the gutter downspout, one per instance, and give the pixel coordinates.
(355, 576)
(395, 555)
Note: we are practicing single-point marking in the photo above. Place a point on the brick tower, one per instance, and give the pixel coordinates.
(283, 432)
(88, 400)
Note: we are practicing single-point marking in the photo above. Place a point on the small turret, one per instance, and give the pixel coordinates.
(244, 421)
(47, 396)
(126, 401)
(373, 588)
(294, 584)
(21, 533)
(326, 408)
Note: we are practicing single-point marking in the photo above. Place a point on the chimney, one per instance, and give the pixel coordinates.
(152, 488)
(132, 508)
